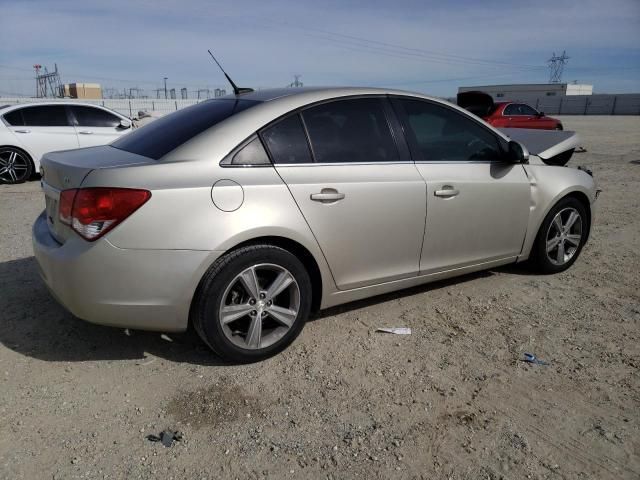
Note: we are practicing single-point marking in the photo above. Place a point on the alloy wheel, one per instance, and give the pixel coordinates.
(14, 165)
(564, 236)
(259, 306)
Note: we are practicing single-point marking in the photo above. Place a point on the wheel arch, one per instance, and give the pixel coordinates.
(292, 246)
(584, 200)
(580, 194)
(302, 253)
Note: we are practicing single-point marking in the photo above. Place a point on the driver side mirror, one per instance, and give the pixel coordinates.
(540, 114)
(125, 123)
(518, 153)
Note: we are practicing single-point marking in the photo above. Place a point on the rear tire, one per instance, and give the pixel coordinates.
(252, 303)
(561, 237)
(15, 165)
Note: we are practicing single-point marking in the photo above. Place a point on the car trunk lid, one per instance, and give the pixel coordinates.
(67, 169)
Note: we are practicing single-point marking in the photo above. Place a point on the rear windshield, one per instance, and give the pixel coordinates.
(162, 136)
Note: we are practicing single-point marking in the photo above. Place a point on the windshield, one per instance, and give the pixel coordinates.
(162, 136)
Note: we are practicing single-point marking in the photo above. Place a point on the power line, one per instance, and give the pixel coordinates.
(391, 48)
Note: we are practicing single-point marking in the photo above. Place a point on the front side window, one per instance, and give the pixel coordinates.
(45, 116)
(94, 117)
(438, 133)
(354, 130)
(527, 110)
(287, 142)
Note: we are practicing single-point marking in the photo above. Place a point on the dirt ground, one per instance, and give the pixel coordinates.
(451, 401)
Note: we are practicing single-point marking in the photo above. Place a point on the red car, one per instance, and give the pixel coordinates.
(506, 114)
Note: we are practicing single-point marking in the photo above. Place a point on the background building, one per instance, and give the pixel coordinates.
(527, 92)
(82, 90)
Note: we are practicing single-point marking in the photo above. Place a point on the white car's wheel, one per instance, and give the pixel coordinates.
(15, 165)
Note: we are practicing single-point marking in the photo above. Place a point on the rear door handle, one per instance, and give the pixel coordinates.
(447, 191)
(327, 195)
(22, 131)
(85, 132)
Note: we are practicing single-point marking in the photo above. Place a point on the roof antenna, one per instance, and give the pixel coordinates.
(237, 90)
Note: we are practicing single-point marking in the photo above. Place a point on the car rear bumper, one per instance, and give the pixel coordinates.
(107, 285)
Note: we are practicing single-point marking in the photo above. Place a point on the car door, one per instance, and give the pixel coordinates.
(43, 128)
(477, 203)
(96, 126)
(363, 200)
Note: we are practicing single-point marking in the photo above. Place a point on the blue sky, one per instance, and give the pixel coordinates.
(424, 46)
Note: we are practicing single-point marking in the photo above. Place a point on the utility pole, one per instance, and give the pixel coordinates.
(556, 66)
(165, 88)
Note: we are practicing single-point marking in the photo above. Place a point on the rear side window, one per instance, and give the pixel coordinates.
(14, 118)
(438, 133)
(45, 116)
(167, 133)
(287, 142)
(94, 117)
(252, 153)
(350, 131)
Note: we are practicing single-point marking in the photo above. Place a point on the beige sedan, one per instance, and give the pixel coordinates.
(243, 214)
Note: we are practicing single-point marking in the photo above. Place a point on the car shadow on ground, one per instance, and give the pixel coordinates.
(35, 325)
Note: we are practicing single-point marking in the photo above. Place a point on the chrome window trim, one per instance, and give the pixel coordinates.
(341, 164)
(419, 162)
(465, 162)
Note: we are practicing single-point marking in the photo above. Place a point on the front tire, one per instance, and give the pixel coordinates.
(15, 165)
(561, 236)
(252, 303)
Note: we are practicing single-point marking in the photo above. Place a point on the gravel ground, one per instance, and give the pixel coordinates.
(450, 401)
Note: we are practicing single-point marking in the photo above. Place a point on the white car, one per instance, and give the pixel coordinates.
(28, 131)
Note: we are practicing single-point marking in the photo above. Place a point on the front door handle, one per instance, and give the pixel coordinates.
(85, 132)
(447, 192)
(23, 131)
(327, 195)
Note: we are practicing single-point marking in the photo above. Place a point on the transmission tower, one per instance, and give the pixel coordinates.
(48, 84)
(296, 82)
(556, 66)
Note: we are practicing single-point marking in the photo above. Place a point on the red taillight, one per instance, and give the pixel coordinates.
(92, 212)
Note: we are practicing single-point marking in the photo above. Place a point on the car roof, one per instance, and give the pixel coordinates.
(272, 104)
(54, 102)
(270, 94)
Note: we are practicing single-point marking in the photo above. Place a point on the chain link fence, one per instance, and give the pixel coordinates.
(598, 104)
